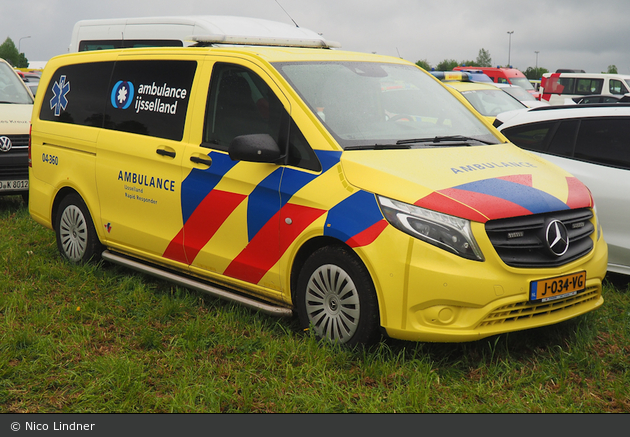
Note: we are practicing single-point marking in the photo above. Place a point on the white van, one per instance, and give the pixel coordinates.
(181, 31)
(557, 88)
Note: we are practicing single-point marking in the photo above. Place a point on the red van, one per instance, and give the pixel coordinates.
(506, 75)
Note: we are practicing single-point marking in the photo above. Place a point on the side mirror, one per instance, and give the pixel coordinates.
(255, 148)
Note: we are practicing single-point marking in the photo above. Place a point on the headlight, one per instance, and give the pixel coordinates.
(444, 231)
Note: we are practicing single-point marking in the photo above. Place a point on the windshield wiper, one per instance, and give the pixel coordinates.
(398, 145)
(439, 139)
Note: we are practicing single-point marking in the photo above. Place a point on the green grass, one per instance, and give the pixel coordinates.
(101, 338)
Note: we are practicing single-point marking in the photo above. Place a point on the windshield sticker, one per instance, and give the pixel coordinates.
(162, 99)
(60, 90)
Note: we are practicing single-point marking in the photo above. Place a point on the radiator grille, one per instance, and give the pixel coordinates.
(523, 241)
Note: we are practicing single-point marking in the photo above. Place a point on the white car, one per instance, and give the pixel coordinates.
(593, 144)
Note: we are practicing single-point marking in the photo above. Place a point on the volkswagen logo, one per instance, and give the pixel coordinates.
(5, 144)
(557, 238)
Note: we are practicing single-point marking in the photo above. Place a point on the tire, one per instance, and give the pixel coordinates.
(77, 240)
(336, 298)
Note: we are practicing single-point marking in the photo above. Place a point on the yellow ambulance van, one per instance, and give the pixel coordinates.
(351, 189)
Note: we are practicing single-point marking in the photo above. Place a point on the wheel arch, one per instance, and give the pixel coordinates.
(317, 243)
(61, 194)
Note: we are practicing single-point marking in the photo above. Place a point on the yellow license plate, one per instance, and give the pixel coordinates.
(557, 288)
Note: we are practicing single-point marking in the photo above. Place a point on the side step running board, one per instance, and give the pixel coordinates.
(266, 308)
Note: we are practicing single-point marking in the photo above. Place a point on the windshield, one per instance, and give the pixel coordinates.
(492, 102)
(523, 82)
(375, 104)
(11, 87)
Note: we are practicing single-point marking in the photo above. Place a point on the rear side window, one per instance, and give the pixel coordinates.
(142, 97)
(77, 94)
(605, 141)
(563, 139)
(554, 137)
(150, 97)
(589, 86)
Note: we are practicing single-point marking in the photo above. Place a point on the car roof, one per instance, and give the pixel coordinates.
(547, 113)
(267, 53)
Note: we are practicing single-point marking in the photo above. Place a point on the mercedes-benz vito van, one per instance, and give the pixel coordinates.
(352, 189)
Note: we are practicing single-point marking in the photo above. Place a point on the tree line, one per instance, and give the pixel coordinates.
(485, 60)
(9, 53)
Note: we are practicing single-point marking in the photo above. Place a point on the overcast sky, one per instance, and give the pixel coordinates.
(582, 34)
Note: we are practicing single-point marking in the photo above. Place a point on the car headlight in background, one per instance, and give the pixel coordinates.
(445, 231)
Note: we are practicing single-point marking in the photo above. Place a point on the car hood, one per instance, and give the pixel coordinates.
(478, 183)
(15, 119)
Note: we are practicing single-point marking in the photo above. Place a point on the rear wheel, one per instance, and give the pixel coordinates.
(336, 297)
(76, 237)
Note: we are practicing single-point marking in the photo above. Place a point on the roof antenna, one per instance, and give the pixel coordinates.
(296, 25)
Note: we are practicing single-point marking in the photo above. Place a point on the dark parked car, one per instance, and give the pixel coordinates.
(602, 98)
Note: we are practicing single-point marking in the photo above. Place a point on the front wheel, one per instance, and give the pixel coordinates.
(76, 237)
(336, 297)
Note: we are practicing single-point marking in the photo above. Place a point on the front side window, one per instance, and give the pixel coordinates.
(533, 136)
(616, 87)
(241, 103)
(373, 104)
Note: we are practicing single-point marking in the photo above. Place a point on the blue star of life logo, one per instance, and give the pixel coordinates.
(59, 101)
(122, 94)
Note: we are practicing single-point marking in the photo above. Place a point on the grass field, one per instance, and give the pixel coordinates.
(100, 338)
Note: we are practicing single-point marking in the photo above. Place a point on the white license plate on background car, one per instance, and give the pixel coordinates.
(559, 287)
(21, 184)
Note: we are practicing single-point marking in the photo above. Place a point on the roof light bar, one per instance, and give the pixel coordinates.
(445, 76)
(264, 41)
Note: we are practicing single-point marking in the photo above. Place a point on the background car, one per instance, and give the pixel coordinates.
(602, 98)
(510, 75)
(486, 98)
(593, 144)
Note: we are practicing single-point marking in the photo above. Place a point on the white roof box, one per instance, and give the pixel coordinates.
(202, 29)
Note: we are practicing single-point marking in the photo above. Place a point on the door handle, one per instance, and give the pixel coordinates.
(205, 161)
(165, 153)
